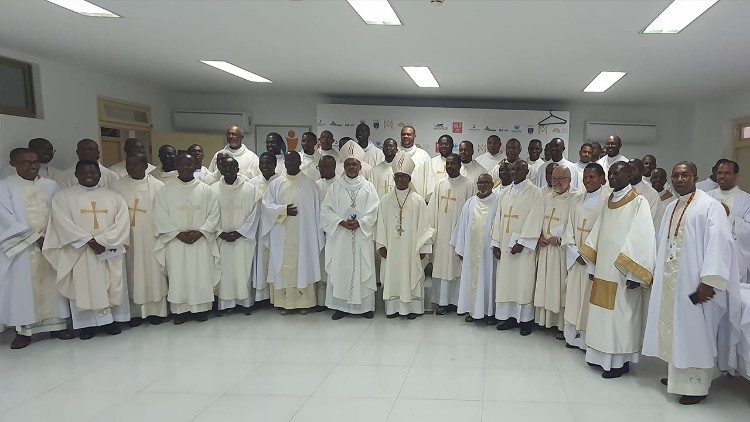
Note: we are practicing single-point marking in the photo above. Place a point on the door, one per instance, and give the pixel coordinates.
(742, 151)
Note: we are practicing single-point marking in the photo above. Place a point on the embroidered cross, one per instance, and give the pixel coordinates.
(94, 211)
(508, 217)
(448, 199)
(190, 209)
(133, 210)
(551, 217)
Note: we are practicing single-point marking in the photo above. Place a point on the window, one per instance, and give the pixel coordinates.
(16, 88)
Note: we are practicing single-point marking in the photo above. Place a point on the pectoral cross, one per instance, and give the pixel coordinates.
(508, 217)
(551, 217)
(582, 229)
(399, 230)
(448, 199)
(94, 211)
(133, 210)
(229, 210)
(189, 208)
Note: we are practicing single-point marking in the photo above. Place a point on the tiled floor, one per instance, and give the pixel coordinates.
(269, 368)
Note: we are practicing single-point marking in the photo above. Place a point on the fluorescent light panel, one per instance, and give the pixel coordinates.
(678, 15)
(603, 81)
(82, 7)
(421, 76)
(375, 12)
(236, 71)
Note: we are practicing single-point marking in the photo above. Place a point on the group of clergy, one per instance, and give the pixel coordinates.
(604, 250)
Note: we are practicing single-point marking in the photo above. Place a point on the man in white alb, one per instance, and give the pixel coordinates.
(658, 182)
(512, 150)
(535, 160)
(373, 155)
(612, 146)
(469, 167)
(382, 174)
(309, 159)
(131, 147)
(422, 177)
(556, 149)
(86, 149)
(247, 159)
(648, 192)
(261, 292)
(168, 169)
(45, 152)
(197, 152)
(445, 148)
(584, 157)
(494, 154)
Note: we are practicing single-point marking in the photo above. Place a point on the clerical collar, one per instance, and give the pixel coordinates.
(235, 152)
(304, 154)
(410, 150)
(616, 196)
(595, 193)
(517, 187)
(487, 198)
(20, 179)
(89, 189)
(368, 147)
(729, 192)
(498, 155)
(354, 183)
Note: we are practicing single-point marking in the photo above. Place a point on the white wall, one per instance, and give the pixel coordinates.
(68, 102)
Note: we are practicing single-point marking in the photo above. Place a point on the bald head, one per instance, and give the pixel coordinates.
(561, 179)
(613, 145)
(658, 179)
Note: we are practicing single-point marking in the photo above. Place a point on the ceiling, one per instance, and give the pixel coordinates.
(495, 50)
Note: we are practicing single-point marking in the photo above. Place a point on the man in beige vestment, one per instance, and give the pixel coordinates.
(444, 209)
(445, 148)
(261, 290)
(45, 151)
(382, 174)
(470, 168)
(168, 169)
(131, 147)
(642, 188)
(622, 247)
(86, 149)
(658, 182)
(549, 295)
(327, 169)
(146, 282)
(85, 243)
(515, 234)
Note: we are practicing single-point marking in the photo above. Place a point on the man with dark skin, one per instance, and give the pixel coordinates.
(659, 181)
(167, 158)
(87, 149)
(597, 153)
(45, 152)
(548, 176)
(132, 147)
(267, 168)
(274, 145)
(612, 147)
(247, 159)
(327, 167)
(493, 156)
(469, 167)
(736, 203)
(423, 177)
(649, 164)
(651, 195)
(505, 174)
(445, 148)
(326, 141)
(710, 183)
(547, 153)
(535, 161)
(512, 151)
(197, 152)
(556, 149)
(309, 159)
(382, 174)
(584, 156)
(230, 170)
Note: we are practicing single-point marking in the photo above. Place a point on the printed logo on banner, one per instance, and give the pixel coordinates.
(362, 121)
(376, 124)
(388, 124)
(530, 129)
(334, 123)
(556, 130)
(516, 128)
(489, 129)
(440, 126)
(564, 130)
(320, 121)
(473, 128)
(349, 124)
(502, 129)
(458, 127)
(542, 130)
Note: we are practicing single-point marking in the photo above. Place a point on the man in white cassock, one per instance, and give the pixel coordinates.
(583, 214)
(45, 151)
(445, 148)
(515, 234)
(710, 183)
(86, 149)
(326, 146)
(327, 168)
(168, 169)
(88, 229)
(382, 174)
(556, 149)
(584, 157)
(403, 239)
(422, 177)
(622, 247)
(658, 182)
(469, 167)
(201, 171)
(187, 223)
(29, 299)
(504, 177)
(612, 147)
(444, 209)
(146, 282)
(535, 160)
(694, 312)
(373, 154)
(348, 216)
(308, 157)
(472, 241)
(549, 294)
(260, 288)
(494, 154)
(239, 205)
(246, 158)
(512, 151)
(737, 205)
(648, 192)
(131, 147)
(291, 230)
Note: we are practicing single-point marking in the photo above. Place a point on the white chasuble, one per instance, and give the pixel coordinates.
(79, 214)
(665, 198)
(373, 155)
(738, 202)
(472, 240)
(260, 262)
(349, 254)
(583, 214)
(549, 294)
(472, 170)
(422, 178)
(438, 166)
(192, 269)
(517, 221)
(309, 166)
(320, 287)
(489, 161)
(247, 160)
(294, 242)
(165, 176)
(652, 196)
(382, 177)
(404, 231)
(700, 250)
(146, 282)
(239, 211)
(622, 247)
(28, 295)
(67, 178)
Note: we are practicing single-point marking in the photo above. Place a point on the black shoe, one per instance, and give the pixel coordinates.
(412, 316)
(65, 334)
(441, 310)
(135, 322)
(570, 346)
(249, 311)
(320, 308)
(527, 328)
(180, 319)
(616, 372)
(87, 333)
(391, 316)
(224, 312)
(201, 316)
(689, 400)
(664, 381)
(338, 315)
(508, 324)
(20, 342)
(469, 318)
(490, 320)
(368, 315)
(112, 329)
(155, 320)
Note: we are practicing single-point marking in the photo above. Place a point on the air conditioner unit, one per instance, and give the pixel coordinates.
(210, 121)
(629, 133)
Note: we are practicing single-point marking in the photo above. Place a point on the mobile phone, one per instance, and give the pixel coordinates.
(694, 298)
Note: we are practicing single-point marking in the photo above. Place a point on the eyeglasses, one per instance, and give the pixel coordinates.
(559, 179)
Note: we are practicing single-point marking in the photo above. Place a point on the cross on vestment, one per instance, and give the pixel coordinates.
(448, 199)
(95, 211)
(189, 208)
(230, 208)
(582, 229)
(551, 217)
(509, 216)
(133, 210)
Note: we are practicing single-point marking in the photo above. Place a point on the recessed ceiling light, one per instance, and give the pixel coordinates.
(678, 15)
(236, 71)
(422, 76)
(375, 12)
(82, 7)
(603, 81)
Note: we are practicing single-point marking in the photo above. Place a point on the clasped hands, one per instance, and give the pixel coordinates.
(383, 252)
(349, 224)
(190, 236)
(230, 236)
